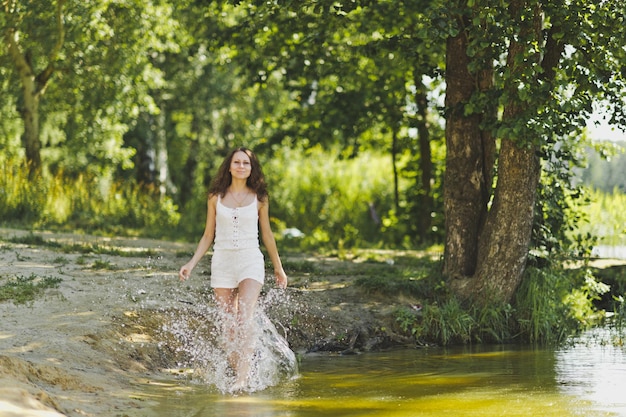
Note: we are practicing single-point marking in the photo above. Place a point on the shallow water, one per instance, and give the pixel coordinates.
(585, 379)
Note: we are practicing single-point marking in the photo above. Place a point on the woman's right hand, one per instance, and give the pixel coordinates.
(184, 273)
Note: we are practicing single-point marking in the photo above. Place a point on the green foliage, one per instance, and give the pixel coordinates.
(448, 323)
(407, 319)
(22, 290)
(416, 278)
(580, 300)
(19, 197)
(559, 207)
(299, 267)
(329, 199)
(32, 239)
(542, 312)
(606, 217)
(106, 265)
(204, 76)
(60, 260)
(615, 278)
(619, 311)
(494, 323)
(337, 203)
(606, 167)
(82, 202)
(552, 304)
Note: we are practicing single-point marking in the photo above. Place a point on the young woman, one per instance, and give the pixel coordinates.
(238, 205)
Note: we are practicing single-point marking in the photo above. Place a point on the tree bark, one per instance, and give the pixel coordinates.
(487, 249)
(464, 183)
(29, 109)
(505, 239)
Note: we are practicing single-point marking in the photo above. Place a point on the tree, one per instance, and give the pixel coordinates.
(34, 49)
(96, 62)
(524, 76)
(356, 70)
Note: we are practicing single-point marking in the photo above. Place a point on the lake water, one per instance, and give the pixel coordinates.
(586, 378)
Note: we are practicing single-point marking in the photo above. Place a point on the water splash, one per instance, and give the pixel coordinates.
(205, 349)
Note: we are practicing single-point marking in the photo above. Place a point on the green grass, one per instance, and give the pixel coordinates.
(85, 202)
(22, 290)
(413, 276)
(60, 260)
(299, 267)
(107, 265)
(32, 239)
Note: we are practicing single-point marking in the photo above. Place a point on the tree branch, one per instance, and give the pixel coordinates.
(24, 69)
(43, 77)
(554, 50)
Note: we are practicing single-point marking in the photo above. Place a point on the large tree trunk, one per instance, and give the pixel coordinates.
(486, 251)
(505, 239)
(464, 183)
(30, 115)
(29, 104)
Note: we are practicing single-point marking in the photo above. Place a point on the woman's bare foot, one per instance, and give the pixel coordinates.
(239, 385)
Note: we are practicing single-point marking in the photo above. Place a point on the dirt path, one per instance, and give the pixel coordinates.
(82, 348)
(58, 355)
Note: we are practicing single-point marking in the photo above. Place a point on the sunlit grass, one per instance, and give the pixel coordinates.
(330, 199)
(82, 202)
(606, 216)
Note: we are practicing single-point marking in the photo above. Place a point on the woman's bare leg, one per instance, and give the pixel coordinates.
(227, 302)
(248, 295)
(226, 299)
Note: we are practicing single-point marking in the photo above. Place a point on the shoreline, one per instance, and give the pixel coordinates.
(83, 347)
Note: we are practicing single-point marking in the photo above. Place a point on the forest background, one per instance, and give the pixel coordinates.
(115, 115)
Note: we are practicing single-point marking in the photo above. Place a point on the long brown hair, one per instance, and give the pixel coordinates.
(256, 180)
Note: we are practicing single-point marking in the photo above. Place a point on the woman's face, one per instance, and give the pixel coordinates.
(240, 166)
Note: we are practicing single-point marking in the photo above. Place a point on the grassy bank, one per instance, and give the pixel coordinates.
(404, 290)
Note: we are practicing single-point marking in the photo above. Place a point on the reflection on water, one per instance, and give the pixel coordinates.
(596, 371)
(587, 379)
